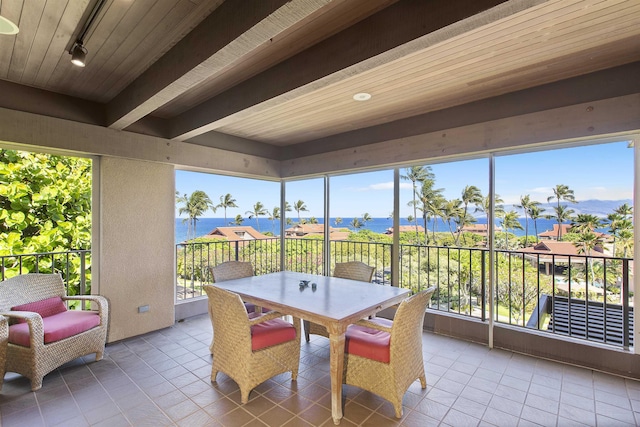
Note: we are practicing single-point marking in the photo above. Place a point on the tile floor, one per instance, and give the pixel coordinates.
(162, 379)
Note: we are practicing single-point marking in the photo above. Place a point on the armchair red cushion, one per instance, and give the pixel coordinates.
(45, 308)
(370, 343)
(271, 332)
(56, 327)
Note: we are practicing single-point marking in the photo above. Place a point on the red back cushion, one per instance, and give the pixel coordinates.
(270, 333)
(370, 343)
(56, 327)
(45, 308)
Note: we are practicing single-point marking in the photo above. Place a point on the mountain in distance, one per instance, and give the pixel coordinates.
(599, 208)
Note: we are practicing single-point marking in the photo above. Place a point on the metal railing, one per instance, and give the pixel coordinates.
(578, 295)
(74, 266)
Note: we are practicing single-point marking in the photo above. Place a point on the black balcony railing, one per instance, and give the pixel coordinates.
(579, 296)
(74, 267)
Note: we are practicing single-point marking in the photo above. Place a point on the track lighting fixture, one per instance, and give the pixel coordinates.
(78, 51)
(78, 54)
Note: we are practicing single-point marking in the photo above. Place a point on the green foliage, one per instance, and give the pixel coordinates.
(45, 206)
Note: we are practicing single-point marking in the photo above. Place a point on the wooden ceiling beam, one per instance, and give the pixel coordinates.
(231, 31)
(385, 36)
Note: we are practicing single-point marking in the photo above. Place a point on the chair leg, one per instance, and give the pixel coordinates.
(423, 381)
(306, 329)
(214, 374)
(36, 383)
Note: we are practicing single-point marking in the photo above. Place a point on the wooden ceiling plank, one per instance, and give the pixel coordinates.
(166, 34)
(12, 11)
(124, 51)
(50, 22)
(29, 21)
(126, 28)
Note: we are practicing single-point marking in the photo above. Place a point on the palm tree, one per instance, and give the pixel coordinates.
(194, 205)
(526, 204)
(451, 211)
(430, 202)
(417, 174)
(620, 222)
(510, 222)
(562, 214)
(485, 206)
(366, 218)
(355, 223)
(258, 210)
(470, 195)
(299, 206)
(535, 212)
(561, 192)
(227, 201)
(273, 216)
(338, 221)
(238, 221)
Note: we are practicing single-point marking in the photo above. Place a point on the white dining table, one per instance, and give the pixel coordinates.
(334, 303)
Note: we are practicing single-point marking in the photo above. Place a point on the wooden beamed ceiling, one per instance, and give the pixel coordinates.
(276, 78)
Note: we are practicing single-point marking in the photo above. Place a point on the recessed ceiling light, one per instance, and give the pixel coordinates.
(362, 96)
(7, 27)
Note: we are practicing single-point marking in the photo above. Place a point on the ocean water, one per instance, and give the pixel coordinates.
(377, 225)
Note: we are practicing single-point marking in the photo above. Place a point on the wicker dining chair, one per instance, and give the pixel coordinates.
(42, 353)
(384, 357)
(250, 350)
(230, 270)
(354, 270)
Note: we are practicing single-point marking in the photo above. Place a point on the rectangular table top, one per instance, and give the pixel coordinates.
(333, 300)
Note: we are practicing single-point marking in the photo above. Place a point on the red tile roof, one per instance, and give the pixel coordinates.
(237, 233)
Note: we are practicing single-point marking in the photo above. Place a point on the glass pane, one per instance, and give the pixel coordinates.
(221, 218)
(444, 233)
(566, 240)
(362, 219)
(304, 233)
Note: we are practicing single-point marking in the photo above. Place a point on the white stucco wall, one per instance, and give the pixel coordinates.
(136, 228)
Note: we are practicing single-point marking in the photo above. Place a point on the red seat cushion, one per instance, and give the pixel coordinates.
(370, 343)
(271, 332)
(56, 327)
(45, 308)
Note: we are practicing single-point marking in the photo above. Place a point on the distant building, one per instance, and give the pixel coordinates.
(237, 233)
(553, 234)
(566, 228)
(550, 253)
(307, 230)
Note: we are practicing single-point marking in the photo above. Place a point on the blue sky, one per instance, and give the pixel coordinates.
(603, 171)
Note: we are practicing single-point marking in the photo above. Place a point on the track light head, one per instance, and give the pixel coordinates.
(78, 54)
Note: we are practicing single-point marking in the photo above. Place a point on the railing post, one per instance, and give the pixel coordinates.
(237, 251)
(625, 303)
(483, 283)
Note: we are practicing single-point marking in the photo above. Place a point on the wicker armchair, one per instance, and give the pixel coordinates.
(354, 270)
(250, 350)
(385, 357)
(41, 357)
